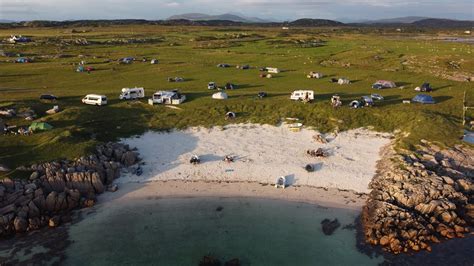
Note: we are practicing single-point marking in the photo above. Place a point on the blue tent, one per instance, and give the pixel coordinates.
(423, 98)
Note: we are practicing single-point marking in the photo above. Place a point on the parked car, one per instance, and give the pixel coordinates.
(377, 97)
(223, 65)
(425, 87)
(49, 97)
(364, 101)
(211, 85)
(262, 94)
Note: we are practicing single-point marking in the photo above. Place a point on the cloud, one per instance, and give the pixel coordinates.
(280, 9)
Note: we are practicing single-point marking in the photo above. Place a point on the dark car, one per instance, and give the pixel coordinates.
(262, 94)
(49, 97)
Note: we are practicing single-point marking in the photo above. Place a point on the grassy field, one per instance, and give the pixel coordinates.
(193, 53)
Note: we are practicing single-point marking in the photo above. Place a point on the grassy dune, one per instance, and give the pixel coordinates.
(193, 53)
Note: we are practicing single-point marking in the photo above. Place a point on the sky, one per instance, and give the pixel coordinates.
(281, 10)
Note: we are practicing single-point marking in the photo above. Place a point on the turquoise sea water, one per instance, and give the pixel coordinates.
(182, 231)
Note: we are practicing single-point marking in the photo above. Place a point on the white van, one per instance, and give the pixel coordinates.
(273, 70)
(94, 99)
(302, 95)
(132, 94)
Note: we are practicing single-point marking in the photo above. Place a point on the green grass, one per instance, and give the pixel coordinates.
(371, 56)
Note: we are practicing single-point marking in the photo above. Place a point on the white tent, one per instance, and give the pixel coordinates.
(220, 96)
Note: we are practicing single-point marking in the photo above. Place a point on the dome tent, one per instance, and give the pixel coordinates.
(220, 96)
(423, 98)
(40, 126)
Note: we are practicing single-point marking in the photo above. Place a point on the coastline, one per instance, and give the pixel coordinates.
(324, 197)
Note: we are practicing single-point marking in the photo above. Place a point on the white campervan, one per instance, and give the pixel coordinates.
(273, 70)
(167, 97)
(302, 95)
(94, 99)
(132, 94)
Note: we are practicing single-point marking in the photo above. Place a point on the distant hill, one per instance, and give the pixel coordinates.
(402, 20)
(309, 22)
(228, 17)
(444, 23)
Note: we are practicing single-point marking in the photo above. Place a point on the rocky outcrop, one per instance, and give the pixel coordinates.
(420, 199)
(55, 188)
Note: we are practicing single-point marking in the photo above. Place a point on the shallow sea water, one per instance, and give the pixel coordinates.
(182, 231)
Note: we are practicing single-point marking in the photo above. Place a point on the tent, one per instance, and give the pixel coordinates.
(382, 84)
(39, 126)
(22, 60)
(423, 98)
(220, 96)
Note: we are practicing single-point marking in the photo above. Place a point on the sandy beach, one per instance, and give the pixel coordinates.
(263, 153)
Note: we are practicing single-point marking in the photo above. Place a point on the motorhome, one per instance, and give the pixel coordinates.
(167, 97)
(132, 93)
(94, 99)
(302, 95)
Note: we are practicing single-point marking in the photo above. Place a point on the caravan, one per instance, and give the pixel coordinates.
(302, 95)
(132, 94)
(94, 99)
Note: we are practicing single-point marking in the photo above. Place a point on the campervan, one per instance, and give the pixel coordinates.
(167, 97)
(302, 95)
(132, 93)
(94, 99)
(273, 70)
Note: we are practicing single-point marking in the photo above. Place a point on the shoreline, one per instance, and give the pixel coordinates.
(158, 189)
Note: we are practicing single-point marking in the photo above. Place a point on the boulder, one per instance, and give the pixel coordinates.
(33, 210)
(20, 224)
(446, 217)
(51, 200)
(34, 223)
(97, 183)
(129, 158)
(54, 221)
(34, 175)
(385, 240)
(465, 185)
(112, 188)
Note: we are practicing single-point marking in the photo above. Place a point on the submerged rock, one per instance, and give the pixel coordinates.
(329, 226)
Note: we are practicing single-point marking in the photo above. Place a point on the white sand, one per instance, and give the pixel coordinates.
(263, 153)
